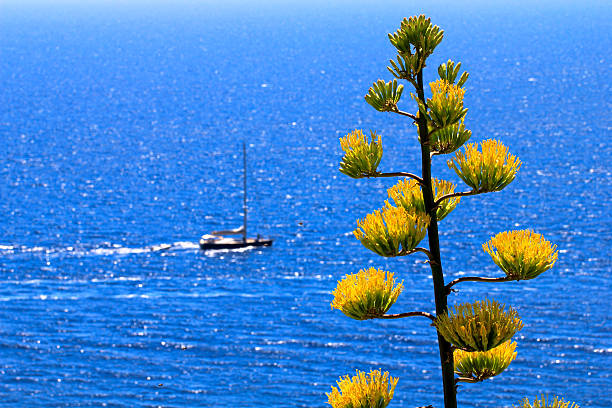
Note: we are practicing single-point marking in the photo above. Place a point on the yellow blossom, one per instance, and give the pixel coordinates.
(373, 390)
(478, 326)
(480, 365)
(407, 194)
(445, 105)
(361, 157)
(444, 89)
(490, 170)
(367, 294)
(545, 402)
(521, 254)
(391, 231)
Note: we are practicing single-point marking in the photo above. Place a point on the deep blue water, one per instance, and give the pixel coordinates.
(121, 128)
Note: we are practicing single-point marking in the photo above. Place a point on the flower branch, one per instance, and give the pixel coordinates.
(417, 249)
(399, 174)
(458, 194)
(408, 314)
(399, 112)
(475, 279)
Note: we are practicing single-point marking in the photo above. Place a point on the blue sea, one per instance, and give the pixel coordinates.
(121, 128)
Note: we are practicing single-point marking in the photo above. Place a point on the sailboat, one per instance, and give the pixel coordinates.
(219, 239)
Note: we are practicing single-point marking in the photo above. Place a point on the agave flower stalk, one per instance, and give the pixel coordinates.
(440, 294)
(473, 339)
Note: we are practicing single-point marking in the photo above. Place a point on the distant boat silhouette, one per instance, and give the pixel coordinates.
(218, 240)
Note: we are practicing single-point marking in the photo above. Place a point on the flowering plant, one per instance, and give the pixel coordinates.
(474, 338)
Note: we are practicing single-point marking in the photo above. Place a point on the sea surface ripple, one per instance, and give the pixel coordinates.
(121, 132)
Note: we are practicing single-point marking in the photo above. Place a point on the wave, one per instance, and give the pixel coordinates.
(215, 252)
(108, 249)
(105, 249)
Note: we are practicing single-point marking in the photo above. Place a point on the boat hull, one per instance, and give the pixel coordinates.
(234, 244)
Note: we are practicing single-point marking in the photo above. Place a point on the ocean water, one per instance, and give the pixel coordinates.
(121, 129)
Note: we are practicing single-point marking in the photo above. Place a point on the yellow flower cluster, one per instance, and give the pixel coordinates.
(367, 294)
(490, 170)
(361, 157)
(407, 194)
(391, 231)
(481, 365)
(545, 402)
(354, 140)
(478, 326)
(373, 390)
(521, 254)
(444, 89)
(446, 104)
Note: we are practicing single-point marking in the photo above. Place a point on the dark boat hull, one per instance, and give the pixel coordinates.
(235, 244)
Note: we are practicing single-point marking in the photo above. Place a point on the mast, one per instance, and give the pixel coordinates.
(244, 227)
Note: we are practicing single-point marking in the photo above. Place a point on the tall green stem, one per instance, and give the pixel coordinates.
(446, 352)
